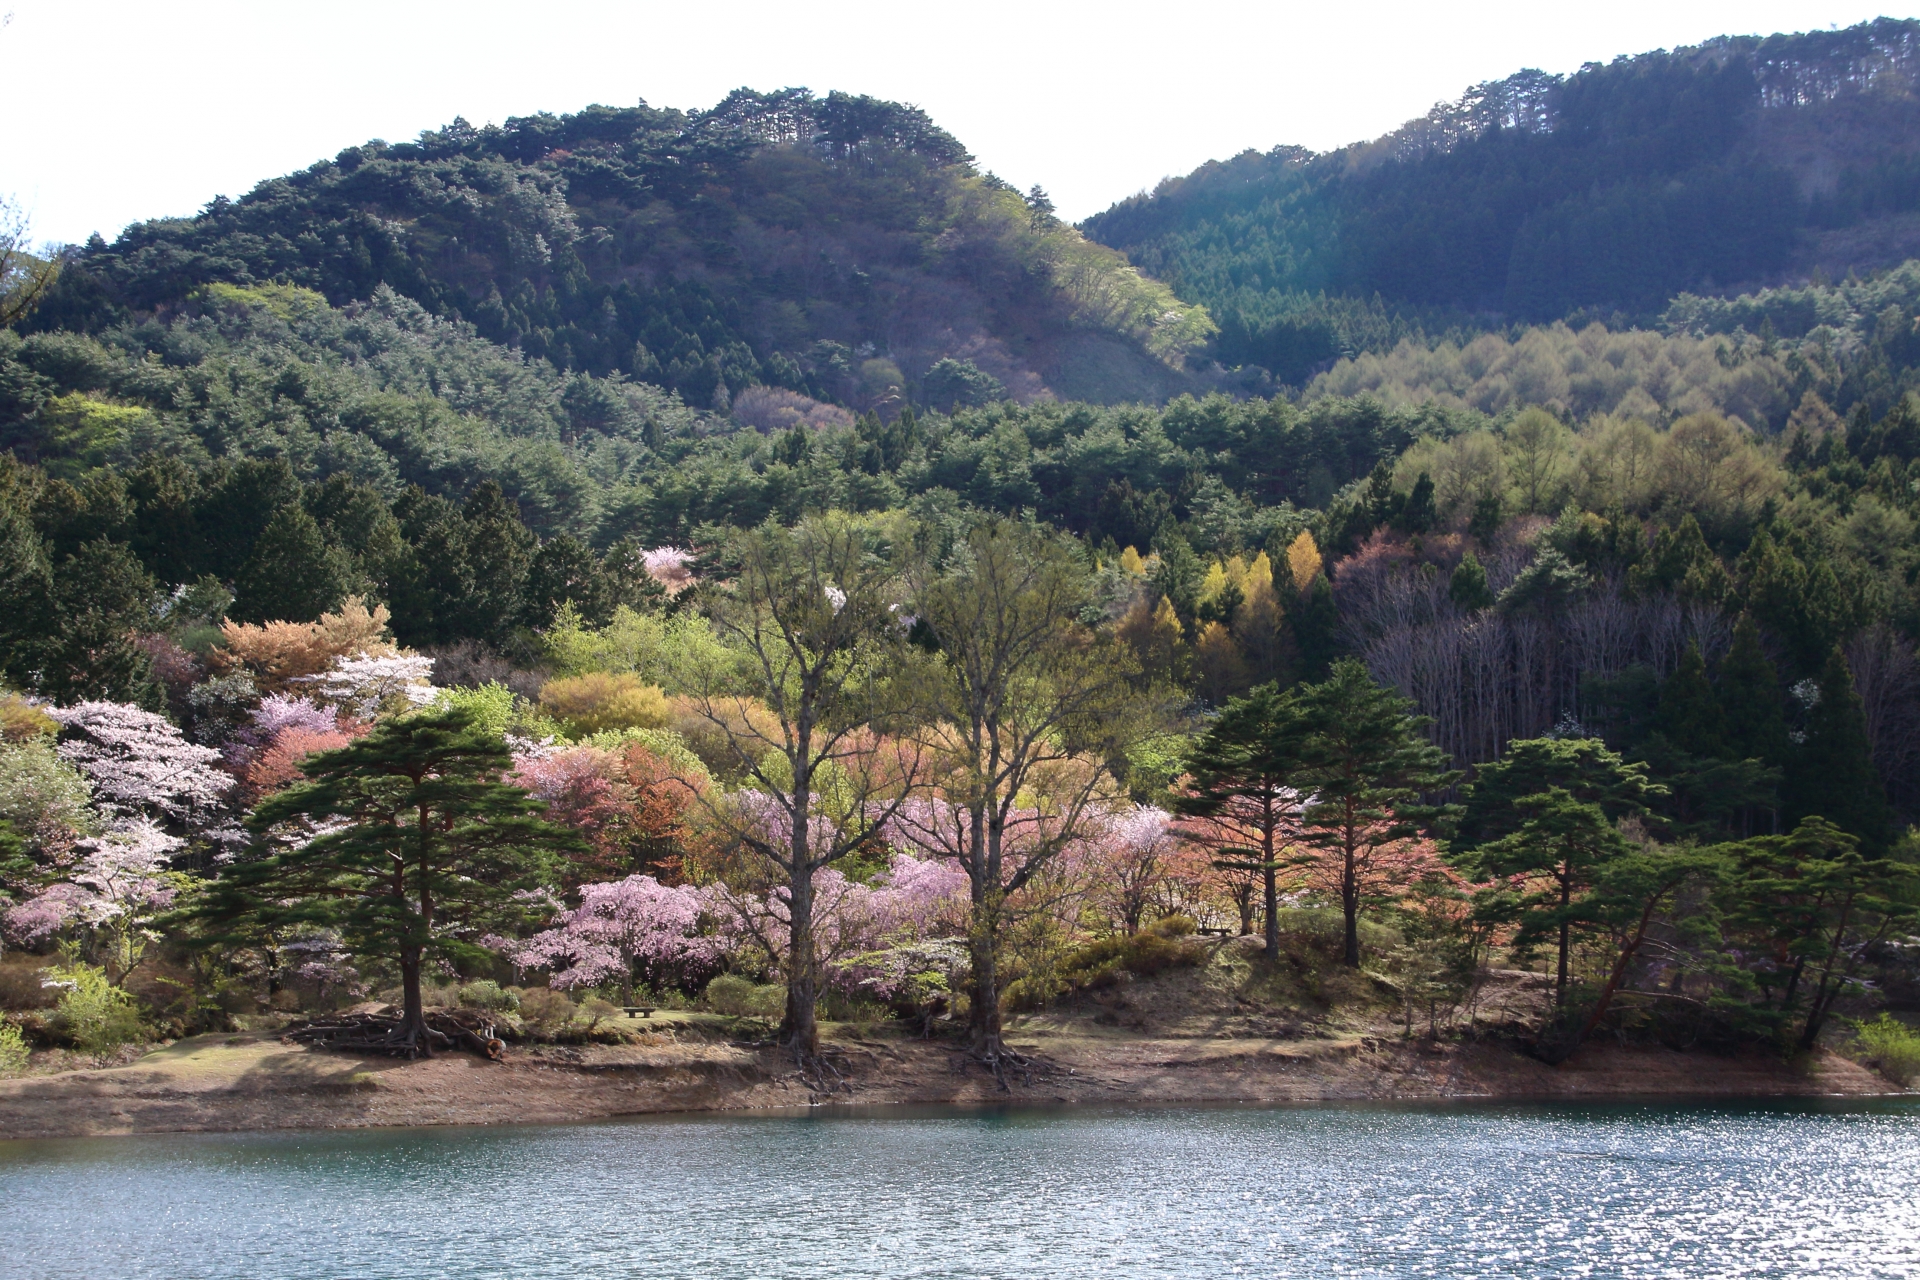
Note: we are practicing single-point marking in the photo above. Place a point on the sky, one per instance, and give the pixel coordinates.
(123, 111)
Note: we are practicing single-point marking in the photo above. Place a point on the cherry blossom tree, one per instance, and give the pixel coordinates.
(141, 766)
(631, 806)
(671, 567)
(629, 931)
(366, 684)
(119, 886)
(1134, 854)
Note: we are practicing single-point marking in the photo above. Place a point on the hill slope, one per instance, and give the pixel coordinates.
(1739, 162)
(838, 247)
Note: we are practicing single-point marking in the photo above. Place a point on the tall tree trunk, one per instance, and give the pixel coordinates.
(1566, 937)
(800, 1028)
(413, 1012)
(1350, 904)
(983, 1017)
(1824, 993)
(1271, 875)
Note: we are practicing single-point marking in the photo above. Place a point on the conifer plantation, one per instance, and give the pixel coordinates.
(756, 563)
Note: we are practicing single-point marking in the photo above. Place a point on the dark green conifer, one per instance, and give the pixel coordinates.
(1751, 703)
(1690, 714)
(1833, 775)
(1468, 587)
(293, 574)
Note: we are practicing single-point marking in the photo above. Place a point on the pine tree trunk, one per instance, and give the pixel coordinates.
(1271, 876)
(1350, 906)
(1566, 938)
(413, 1014)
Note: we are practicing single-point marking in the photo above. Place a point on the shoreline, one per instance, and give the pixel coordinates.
(253, 1082)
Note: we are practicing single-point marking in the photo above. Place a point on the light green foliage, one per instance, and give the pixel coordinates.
(490, 705)
(1890, 1045)
(42, 797)
(13, 1049)
(1633, 373)
(740, 997)
(83, 432)
(284, 301)
(488, 994)
(641, 644)
(665, 743)
(93, 1014)
(497, 709)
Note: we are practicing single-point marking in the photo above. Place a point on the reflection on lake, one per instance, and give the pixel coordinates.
(1627, 1190)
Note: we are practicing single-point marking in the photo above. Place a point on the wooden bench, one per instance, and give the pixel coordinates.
(637, 1010)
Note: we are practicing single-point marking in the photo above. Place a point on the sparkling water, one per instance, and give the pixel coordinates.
(1620, 1190)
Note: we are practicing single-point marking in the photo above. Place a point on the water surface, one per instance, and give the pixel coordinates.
(1627, 1190)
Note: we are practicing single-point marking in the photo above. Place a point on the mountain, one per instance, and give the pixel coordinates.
(1736, 164)
(838, 249)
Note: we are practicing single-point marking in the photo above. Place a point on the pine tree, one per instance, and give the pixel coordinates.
(1468, 587)
(293, 575)
(1241, 769)
(26, 588)
(1690, 714)
(1753, 710)
(1316, 629)
(1548, 809)
(415, 848)
(1365, 763)
(1833, 775)
(498, 552)
(101, 599)
(565, 570)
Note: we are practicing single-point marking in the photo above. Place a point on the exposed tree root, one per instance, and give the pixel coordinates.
(1000, 1060)
(389, 1034)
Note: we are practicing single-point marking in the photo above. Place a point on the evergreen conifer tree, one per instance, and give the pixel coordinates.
(1240, 771)
(293, 574)
(1751, 704)
(412, 848)
(1468, 587)
(1690, 714)
(101, 598)
(1833, 775)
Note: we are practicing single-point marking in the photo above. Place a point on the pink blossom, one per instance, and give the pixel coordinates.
(364, 684)
(914, 899)
(279, 711)
(627, 929)
(119, 885)
(671, 567)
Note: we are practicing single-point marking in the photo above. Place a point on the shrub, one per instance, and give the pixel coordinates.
(602, 700)
(22, 721)
(1891, 1046)
(13, 1049)
(93, 1015)
(740, 997)
(545, 1007)
(1165, 944)
(278, 653)
(488, 994)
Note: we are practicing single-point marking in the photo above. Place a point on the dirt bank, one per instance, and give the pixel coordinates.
(256, 1082)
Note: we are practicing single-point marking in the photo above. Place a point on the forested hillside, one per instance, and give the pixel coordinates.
(683, 523)
(1741, 162)
(839, 247)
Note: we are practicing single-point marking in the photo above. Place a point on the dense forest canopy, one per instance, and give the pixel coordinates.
(836, 247)
(1739, 162)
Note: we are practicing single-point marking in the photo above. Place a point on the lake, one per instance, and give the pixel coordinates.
(1618, 1190)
